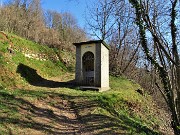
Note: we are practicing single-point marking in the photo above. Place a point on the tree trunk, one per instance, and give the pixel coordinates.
(140, 16)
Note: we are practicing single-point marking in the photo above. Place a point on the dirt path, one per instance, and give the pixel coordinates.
(56, 111)
(52, 115)
(62, 114)
(67, 109)
(62, 117)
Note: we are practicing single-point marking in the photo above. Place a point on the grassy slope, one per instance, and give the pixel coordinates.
(65, 110)
(11, 62)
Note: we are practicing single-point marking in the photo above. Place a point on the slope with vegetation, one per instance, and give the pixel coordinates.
(37, 97)
(28, 19)
(18, 55)
(144, 38)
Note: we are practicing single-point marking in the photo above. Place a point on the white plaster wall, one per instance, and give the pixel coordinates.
(104, 66)
(88, 47)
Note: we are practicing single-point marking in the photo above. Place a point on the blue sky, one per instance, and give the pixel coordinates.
(76, 7)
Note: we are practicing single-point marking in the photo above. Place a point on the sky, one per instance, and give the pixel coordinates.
(76, 7)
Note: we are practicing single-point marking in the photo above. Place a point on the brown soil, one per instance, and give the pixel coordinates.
(59, 114)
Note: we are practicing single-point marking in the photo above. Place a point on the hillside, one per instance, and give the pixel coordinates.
(20, 57)
(35, 97)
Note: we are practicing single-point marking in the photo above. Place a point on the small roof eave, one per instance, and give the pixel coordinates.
(91, 42)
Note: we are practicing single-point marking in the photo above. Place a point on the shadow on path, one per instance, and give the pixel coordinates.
(66, 114)
(33, 78)
(62, 114)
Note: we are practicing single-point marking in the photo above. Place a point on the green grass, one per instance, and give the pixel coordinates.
(26, 109)
(117, 106)
(10, 61)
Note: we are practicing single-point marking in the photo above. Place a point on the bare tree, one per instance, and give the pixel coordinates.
(112, 21)
(26, 18)
(167, 61)
(101, 19)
